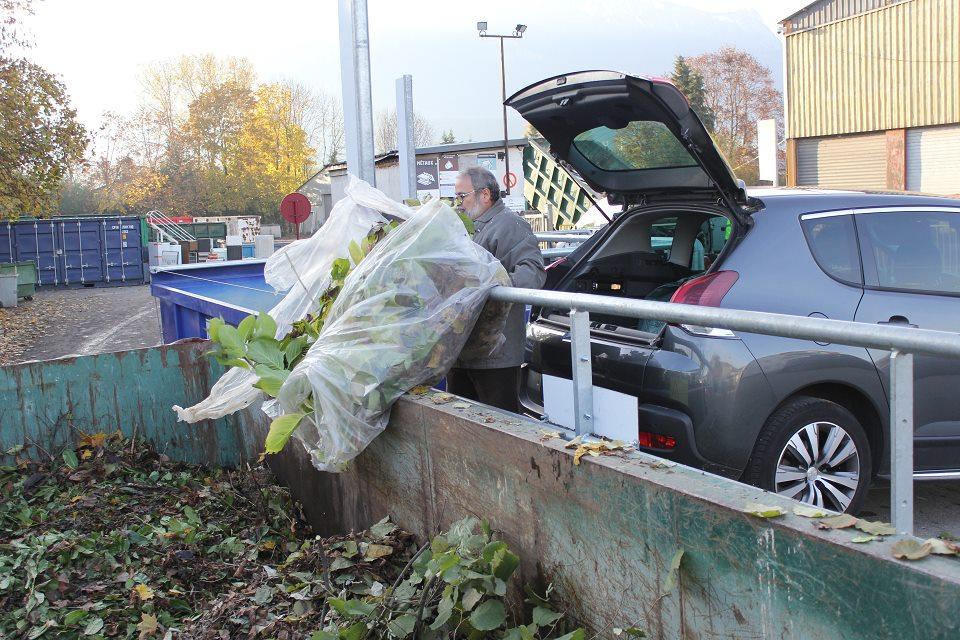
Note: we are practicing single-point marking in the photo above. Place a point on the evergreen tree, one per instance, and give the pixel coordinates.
(691, 84)
(447, 137)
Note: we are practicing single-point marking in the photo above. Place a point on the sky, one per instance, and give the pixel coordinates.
(99, 47)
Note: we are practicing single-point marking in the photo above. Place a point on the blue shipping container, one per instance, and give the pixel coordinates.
(77, 251)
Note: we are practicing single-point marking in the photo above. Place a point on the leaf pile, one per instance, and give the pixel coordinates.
(112, 540)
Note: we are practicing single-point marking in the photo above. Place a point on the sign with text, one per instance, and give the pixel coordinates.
(449, 168)
(428, 181)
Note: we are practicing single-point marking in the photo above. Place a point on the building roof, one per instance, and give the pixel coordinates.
(456, 147)
(824, 11)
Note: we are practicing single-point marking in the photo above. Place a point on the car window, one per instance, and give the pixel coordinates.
(912, 250)
(833, 243)
(661, 236)
(639, 145)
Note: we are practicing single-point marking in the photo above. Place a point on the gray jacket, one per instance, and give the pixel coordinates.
(509, 237)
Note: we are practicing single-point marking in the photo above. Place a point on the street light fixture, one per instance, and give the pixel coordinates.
(517, 33)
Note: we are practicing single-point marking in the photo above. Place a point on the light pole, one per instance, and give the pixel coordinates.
(517, 33)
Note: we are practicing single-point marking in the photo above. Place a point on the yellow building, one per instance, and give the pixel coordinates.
(873, 95)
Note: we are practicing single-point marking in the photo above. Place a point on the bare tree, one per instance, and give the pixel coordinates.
(739, 91)
(385, 131)
(319, 114)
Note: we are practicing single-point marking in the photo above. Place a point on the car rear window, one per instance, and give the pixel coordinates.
(833, 243)
(644, 144)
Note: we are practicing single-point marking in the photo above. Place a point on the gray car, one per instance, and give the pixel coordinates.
(807, 420)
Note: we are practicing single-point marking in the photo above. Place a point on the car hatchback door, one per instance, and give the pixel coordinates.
(911, 264)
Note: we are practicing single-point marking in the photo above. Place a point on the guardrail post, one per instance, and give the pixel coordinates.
(582, 372)
(901, 436)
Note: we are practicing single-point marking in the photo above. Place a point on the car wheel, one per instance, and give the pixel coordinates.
(814, 451)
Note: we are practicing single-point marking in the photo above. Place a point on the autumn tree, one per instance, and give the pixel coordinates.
(739, 91)
(385, 131)
(40, 137)
(692, 85)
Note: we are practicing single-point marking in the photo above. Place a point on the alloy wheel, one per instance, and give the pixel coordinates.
(819, 465)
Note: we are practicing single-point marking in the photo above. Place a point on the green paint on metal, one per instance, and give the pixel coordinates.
(26, 276)
(50, 402)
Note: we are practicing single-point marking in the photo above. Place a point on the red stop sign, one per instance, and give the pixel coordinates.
(295, 208)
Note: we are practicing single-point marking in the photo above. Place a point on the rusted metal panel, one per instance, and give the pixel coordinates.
(891, 68)
(50, 402)
(604, 533)
(897, 159)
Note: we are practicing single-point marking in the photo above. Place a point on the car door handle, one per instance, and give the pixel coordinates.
(899, 321)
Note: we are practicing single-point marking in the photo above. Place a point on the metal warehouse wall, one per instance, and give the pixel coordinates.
(889, 68)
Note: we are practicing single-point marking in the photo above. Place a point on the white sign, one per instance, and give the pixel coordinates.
(767, 148)
(615, 415)
(449, 168)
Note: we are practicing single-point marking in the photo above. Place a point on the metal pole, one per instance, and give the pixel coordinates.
(357, 94)
(901, 436)
(503, 101)
(405, 139)
(582, 372)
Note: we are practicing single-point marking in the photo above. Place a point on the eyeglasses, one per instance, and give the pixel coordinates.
(459, 197)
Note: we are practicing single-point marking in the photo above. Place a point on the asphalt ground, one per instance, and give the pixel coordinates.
(65, 322)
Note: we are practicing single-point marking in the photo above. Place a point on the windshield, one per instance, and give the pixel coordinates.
(639, 145)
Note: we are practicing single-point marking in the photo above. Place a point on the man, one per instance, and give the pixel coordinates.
(495, 379)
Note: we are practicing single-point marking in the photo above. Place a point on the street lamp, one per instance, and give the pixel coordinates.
(517, 33)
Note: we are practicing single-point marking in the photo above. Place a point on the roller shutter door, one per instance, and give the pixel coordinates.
(848, 162)
(933, 160)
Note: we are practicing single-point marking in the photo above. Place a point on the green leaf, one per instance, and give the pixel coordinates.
(355, 252)
(266, 326)
(74, 617)
(488, 616)
(505, 562)
(323, 635)
(245, 328)
(862, 539)
(579, 634)
(633, 632)
(93, 627)
(351, 608)
(444, 611)
(213, 328)
(280, 431)
(270, 379)
(294, 350)
(763, 510)
(491, 550)
(403, 626)
(340, 269)
(265, 351)
(356, 631)
(543, 617)
(470, 598)
(70, 458)
(229, 337)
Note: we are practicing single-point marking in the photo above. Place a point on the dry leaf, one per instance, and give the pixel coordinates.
(910, 549)
(461, 405)
(860, 539)
(810, 512)
(148, 625)
(942, 547)
(375, 551)
(441, 398)
(547, 435)
(143, 592)
(763, 510)
(420, 390)
(875, 528)
(841, 521)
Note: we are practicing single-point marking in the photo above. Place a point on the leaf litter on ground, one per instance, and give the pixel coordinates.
(113, 540)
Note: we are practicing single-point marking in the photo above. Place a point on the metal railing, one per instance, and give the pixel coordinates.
(902, 342)
(167, 229)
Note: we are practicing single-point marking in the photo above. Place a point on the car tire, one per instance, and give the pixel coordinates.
(815, 451)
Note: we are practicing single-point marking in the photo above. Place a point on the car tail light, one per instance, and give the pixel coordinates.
(649, 440)
(706, 291)
(555, 263)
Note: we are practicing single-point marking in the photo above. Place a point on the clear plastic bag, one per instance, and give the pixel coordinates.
(402, 318)
(302, 269)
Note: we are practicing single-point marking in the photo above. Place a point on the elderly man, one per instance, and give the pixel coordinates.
(495, 379)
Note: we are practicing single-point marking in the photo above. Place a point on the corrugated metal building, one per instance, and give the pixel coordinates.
(873, 95)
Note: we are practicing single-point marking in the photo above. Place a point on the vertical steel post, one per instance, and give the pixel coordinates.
(582, 372)
(406, 145)
(355, 82)
(503, 102)
(901, 437)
